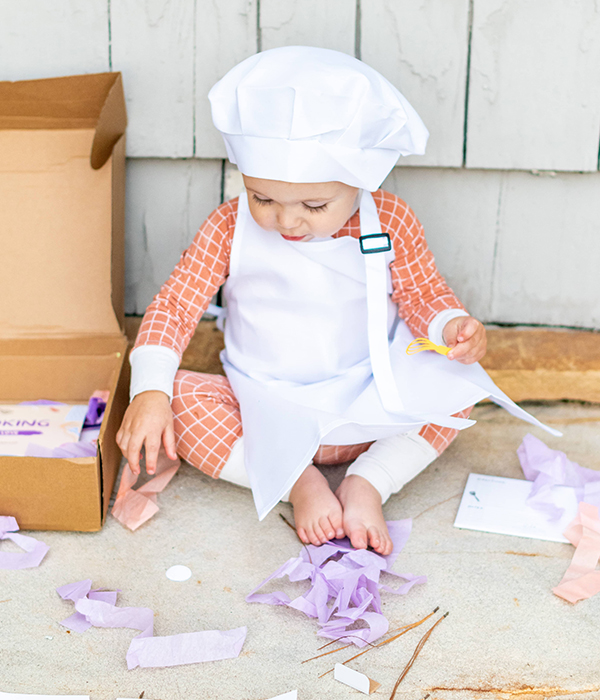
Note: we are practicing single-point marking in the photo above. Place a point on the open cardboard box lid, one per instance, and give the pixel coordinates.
(61, 207)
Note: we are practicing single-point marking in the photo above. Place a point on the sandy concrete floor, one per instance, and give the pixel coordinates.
(507, 635)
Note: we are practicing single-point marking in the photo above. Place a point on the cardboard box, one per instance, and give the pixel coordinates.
(62, 194)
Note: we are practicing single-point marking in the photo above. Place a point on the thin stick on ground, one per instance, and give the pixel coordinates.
(9, 599)
(405, 629)
(416, 653)
(345, 636)
(289, 524)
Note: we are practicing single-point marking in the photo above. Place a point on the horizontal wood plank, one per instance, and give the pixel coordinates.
(527, 364)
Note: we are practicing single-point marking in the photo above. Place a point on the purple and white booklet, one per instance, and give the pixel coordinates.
(24, 427)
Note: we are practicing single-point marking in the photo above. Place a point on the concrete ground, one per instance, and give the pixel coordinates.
(507, 635)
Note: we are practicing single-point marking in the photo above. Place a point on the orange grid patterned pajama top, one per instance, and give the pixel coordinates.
(206, 413)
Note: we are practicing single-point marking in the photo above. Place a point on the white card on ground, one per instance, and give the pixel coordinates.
(20, 696)
(354, 679)
(499, 505)
(292, 695)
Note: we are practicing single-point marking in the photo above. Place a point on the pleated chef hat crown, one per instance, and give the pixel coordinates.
(302, 114)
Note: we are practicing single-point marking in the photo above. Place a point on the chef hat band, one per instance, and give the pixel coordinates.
(302, 114)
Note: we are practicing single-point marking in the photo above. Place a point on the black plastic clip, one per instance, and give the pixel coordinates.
(375, 243)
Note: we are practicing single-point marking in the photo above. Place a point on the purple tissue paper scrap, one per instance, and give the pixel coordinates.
(548, 468)
(344, 586)
(187, 648)
(34, 550)
(97, 608)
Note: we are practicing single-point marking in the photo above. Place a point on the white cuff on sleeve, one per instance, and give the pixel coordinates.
(153, 368)
(392, 462)
(436, 327)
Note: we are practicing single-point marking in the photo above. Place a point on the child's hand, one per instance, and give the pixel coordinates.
(466, 337)
(147, 420)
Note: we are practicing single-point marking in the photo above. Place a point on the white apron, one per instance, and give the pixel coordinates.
(298, 349)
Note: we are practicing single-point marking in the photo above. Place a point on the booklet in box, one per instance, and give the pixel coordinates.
(25, 427)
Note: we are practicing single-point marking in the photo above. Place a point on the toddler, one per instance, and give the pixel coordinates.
(327, 279)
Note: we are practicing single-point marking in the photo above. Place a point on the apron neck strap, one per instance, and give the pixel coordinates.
(374, 246)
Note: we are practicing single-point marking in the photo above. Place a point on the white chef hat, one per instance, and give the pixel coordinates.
(302, 114)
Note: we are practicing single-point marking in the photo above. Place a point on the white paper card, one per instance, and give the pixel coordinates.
(292, 695)
(354, 679)
(19, 696)
(499, 505)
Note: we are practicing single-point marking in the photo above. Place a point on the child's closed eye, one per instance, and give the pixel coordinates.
(261, 201)
(320, 207)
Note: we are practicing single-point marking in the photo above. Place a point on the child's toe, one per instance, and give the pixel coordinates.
(303, 535)
(337, 524)
(375, 539)
(319, 534)
(358, 537)
(327, 528)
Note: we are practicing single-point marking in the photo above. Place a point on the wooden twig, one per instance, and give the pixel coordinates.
(405, 629)
(6, 601)
(289, 524)
(416, 653)
(339, 648)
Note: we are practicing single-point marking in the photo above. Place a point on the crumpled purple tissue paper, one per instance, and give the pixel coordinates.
(548, 468)
(34, 552)
(97, 608)
(344, 586)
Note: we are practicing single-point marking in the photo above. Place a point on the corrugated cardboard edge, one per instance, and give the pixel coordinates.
(109, 454)
(111, 124)
(118, 231)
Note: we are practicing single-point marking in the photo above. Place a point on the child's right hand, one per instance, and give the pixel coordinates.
(147, 421)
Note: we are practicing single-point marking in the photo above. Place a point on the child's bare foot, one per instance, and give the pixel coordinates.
(364, 523)
(317, 512)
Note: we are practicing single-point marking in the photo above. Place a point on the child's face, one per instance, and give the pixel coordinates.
(300, 212)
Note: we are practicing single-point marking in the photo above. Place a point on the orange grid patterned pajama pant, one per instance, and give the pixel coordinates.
(208, 423)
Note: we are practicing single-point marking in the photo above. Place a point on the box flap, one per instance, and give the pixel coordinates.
(75, 102)
(61, 229)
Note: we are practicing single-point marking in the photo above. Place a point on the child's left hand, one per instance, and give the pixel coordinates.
(466, 337)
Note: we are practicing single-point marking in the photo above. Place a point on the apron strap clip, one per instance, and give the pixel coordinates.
(375, 243)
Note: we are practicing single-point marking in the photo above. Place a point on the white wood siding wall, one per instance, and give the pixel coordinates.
(509, 190)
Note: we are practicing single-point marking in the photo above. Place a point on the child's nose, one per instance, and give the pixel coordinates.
(287, 218)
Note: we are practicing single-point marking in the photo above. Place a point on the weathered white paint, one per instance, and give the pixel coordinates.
(533, 94)
(153, 45)
(225, 35)
(41, 39)
(548, 258)
(233, 184)
(459, 210)
(329, 24)
(421, 47)
(517, 248)
(167, 201)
